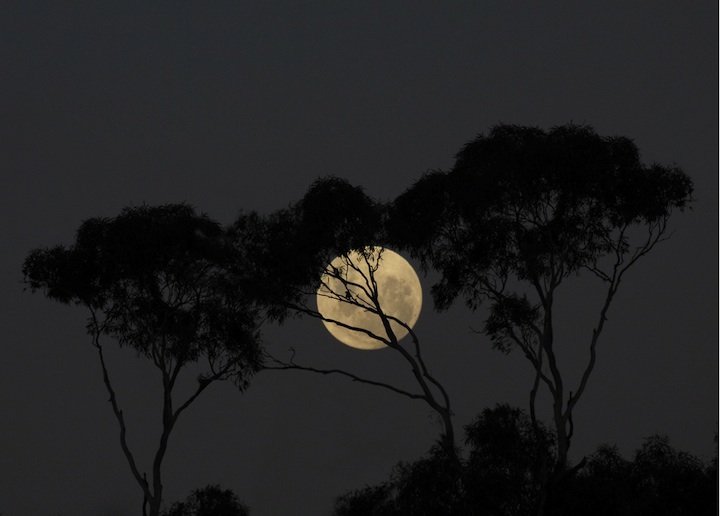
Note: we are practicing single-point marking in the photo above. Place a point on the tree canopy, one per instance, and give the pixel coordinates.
(288, 249)
(533, 204)
(211, 500)
(155, 279)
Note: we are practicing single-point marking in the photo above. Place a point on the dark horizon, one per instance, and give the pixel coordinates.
(238, 107)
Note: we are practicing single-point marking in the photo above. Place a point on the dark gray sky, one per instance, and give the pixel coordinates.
(241, 105)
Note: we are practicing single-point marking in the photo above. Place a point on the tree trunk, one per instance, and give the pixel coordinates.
(448, 437)
(168, 421)
(155, 506)
(563, 439)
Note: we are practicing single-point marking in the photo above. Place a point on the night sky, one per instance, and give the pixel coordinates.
(240, 106)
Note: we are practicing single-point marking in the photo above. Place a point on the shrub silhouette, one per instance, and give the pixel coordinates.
(210, 500)
(502, 475)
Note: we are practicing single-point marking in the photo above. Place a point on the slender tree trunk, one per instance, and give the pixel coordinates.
(552, 475)
(145, 503)
(449, 430)
(156, 500)
(563, 439)
(155, 506)
(448, 436)
(541, 471)
(559, 414)
(168, 421)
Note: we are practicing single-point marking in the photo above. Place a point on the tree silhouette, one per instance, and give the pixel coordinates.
(499, 476)
(522, 211)
(292, 250)
(660, 480)
(508, 458)
(211, 500)
(430, 486)
(603, 486)
(155, 279)
(502, 476)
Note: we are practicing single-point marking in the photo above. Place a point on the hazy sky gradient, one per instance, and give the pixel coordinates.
(240, 106)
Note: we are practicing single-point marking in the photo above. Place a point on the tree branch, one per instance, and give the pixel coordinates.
(203, 383)
(534, 390)
(116, 409)
(280, 365)
(418, 355)
(536, 362)
(655, 233)
(335, 274)
(318, 315)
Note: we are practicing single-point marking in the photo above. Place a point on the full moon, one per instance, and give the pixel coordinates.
(398, 291)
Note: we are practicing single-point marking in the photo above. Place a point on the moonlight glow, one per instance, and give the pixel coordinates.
(399, 295)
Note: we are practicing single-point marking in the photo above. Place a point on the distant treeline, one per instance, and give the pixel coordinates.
(505, 458)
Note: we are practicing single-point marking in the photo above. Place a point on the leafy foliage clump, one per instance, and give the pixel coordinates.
(211, 500)
(528, 203)
(498, 477)
(289, 249)
(155, 279)
(660, 480)
(504, 474)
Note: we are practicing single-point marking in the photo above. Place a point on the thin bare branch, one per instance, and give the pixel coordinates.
(292, 365)
(116, 409)
(534, 390)
(535, 359)
(318, 315)
(420, 361)
(655, 233)
(345, 282)
(597, 272)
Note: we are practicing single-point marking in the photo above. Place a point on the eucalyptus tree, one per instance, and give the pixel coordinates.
(332, 240)
(155, 280)
(523, 211)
